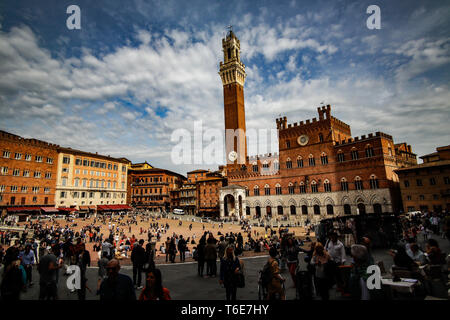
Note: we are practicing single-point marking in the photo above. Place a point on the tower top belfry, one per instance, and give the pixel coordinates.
(232, 70)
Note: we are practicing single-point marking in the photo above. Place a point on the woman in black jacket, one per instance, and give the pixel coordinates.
(201, 256)
(230, 267)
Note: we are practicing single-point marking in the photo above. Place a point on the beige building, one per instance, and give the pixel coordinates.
(85, 180)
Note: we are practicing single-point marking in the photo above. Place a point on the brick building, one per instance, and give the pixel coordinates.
(426, 187)
(28, 170)
(320, 171)
(86, 180)
(150, 188)
(208, 191)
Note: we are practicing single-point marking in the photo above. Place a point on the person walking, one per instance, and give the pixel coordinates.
(48, 266)
(201, 256)
(166, 247)
(28, 260)
(154, 289)
(230, 267)
(138, 260)
(117, 286)
(336, 250)
(291, 253)
(211, 257)
(275, 290)
(320, 260)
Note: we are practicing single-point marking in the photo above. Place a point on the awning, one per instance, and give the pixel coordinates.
(23, 209)
(92, 207)
(114, 207)
(84, 208)
(49, 209)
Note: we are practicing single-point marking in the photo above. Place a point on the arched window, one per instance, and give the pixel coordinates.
(324, 158)
(344, 184)
(256, 190)
(312, 161)
(369, 151)
(373, 182)
(258, 211)
(377, 208)
(347, 209)
(265, 165)
(255, 167)
(354, 154)
(316, 209)
(330, 210)
(291, 188)
(320, 137)
(304, 210)
(302, 187)
(314, 188)
(267, 190)
(293, 211)
(299, 162)
(327, 186)
(361, 208)
(280, 210)
(278, 189)
(247, 192)
(340, 156)
(358, 183)
(288, 163)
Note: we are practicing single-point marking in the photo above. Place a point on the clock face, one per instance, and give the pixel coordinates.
(303, 140)
(232, 156)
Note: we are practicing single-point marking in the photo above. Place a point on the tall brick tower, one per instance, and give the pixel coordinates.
(232, 73)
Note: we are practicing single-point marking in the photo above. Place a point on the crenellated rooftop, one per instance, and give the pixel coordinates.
(370, 136)
(32, 142)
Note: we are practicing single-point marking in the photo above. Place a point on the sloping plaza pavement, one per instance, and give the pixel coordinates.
(184, 284)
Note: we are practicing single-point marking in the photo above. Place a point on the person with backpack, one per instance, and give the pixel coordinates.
(271, 277)
(230, 268)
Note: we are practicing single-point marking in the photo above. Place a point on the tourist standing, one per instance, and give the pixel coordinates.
(229, 268)
(117, 286)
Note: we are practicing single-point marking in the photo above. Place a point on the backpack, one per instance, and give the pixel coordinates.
(266, 275)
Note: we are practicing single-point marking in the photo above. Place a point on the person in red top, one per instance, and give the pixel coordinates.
(153, 288)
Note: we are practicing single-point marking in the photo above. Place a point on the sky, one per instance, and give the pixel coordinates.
(138, 70)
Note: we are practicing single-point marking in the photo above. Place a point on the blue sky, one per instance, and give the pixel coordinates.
(137, 70)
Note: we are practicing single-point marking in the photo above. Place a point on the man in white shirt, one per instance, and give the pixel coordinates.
(336, 250)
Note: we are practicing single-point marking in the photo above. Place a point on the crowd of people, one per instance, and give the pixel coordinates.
(315, 265)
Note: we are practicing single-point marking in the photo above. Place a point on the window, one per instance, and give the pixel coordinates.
(312, 161)
(37, 174)
(291, 189)
(304, 210)
(256, 191)
(76, 194)
(406, 182)
(347, 209)
(267, 190)
(14, 189)
(76, 182)
(358, 183)
(289, 164)
(327, 186)
(28, 157)
(369, 152)
(278, 189)
(255, 168)
(115, 167)
(314, 188)
(38, 159)
(421, 197)
(50, 160)
(35, 189)
(16, 172)
(299, 163)
(78, 162)
(341, 157)
(324, 159)
(373, 182)
(64, 182)
(2, 188)
(24, 189)
(65, 170)
(34, 199)
(247, 192)
(432, 181)
(48, 175)
(288, 144)
(265, 165)
(408, 198)
(46, 190)
(446, 180)
(419, 182)
(354, 154)
(302, 188)
(85, 163)
(6, 154)
(124, 168)
(320, 137)
(435, 197)
(330, 210)
(4, 170)
(62, 194)
(17, 156)
(26, 173)
(316, 209)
